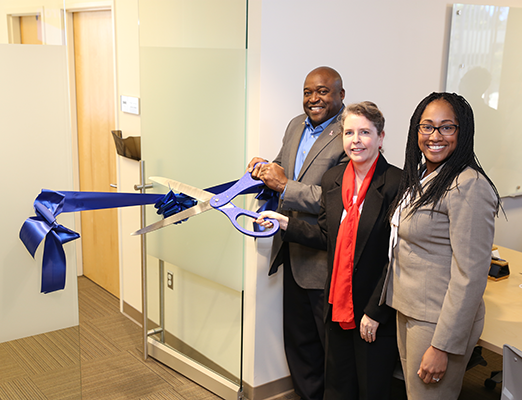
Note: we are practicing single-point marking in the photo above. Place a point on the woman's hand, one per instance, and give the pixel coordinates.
(368, 329)
(283, 220)
(433, 365)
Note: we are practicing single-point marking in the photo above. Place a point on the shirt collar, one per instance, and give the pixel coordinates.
(320, 128)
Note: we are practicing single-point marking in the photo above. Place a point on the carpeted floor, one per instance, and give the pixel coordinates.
(109, 346)
(43, 367)
(112, 362)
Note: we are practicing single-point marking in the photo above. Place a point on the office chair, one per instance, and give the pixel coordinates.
(512, 373)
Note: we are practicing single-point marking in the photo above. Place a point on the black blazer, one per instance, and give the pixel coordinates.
(373, 234)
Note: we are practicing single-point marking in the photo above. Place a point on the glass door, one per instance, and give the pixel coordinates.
(193, 74)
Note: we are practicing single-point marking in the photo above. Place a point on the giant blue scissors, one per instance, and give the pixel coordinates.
(208, 201)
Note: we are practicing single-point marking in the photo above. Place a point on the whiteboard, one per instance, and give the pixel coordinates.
(485, 66)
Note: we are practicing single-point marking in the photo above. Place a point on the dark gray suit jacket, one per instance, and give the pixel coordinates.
(302, 198)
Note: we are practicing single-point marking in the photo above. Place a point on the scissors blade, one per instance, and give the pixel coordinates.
(189, 212)
(198, 194)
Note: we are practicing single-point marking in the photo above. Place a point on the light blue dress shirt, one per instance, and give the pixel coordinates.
(308, 138)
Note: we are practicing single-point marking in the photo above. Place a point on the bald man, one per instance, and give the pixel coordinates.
(312, 144)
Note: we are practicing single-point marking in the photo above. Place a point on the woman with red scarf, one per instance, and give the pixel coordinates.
(361, 344)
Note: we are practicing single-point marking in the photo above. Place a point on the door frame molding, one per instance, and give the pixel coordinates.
(104, 5)
(13, 22)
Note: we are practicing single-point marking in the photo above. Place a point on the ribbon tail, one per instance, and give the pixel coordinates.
(53, 266)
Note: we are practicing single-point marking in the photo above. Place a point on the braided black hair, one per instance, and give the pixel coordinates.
(462, 157)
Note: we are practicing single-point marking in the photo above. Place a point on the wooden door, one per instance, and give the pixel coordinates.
(93, 55)
(30, 30)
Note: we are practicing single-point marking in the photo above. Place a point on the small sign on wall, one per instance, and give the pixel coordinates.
(130, 105)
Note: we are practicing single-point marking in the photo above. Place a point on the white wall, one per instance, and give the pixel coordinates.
(381, 49)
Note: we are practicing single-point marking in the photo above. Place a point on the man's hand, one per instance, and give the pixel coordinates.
(253, 162)
(273, 176)
(433, 365)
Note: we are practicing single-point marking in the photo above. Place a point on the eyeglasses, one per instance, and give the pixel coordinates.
(444, 130)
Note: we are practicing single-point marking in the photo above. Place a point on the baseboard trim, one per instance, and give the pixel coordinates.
(268, 390)
(132, 313)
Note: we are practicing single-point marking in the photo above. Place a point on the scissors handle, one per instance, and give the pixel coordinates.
(234, 212)
(242, 185)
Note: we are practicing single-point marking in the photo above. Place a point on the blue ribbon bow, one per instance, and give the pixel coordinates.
(48, 205)
(173, 203)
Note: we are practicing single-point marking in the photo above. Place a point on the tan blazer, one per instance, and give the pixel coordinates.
(440, 264)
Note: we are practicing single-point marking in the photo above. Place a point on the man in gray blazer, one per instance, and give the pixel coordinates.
(312, 144)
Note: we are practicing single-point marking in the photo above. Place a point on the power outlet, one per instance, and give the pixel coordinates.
(170, 280)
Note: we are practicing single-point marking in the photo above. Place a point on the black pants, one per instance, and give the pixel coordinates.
(304, 336)
(355, 369)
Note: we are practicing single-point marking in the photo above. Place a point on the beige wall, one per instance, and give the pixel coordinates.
(128, 84)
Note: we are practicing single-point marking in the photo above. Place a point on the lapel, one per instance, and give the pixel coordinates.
(430, 176)
(294, 146)
(371, 208)
(335, 206)
(329, 134)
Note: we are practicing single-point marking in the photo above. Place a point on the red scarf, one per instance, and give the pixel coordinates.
(341, 284)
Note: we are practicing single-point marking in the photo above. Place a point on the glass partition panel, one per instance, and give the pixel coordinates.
(484, 66)
(193, 131)
(39, 334)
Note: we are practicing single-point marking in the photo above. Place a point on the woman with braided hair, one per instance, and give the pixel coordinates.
(440, 248)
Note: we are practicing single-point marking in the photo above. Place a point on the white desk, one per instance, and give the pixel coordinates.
(503, 324)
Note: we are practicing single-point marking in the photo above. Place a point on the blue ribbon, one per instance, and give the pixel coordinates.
(49, 204)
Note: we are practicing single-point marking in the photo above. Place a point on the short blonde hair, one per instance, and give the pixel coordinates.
(368, 110)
